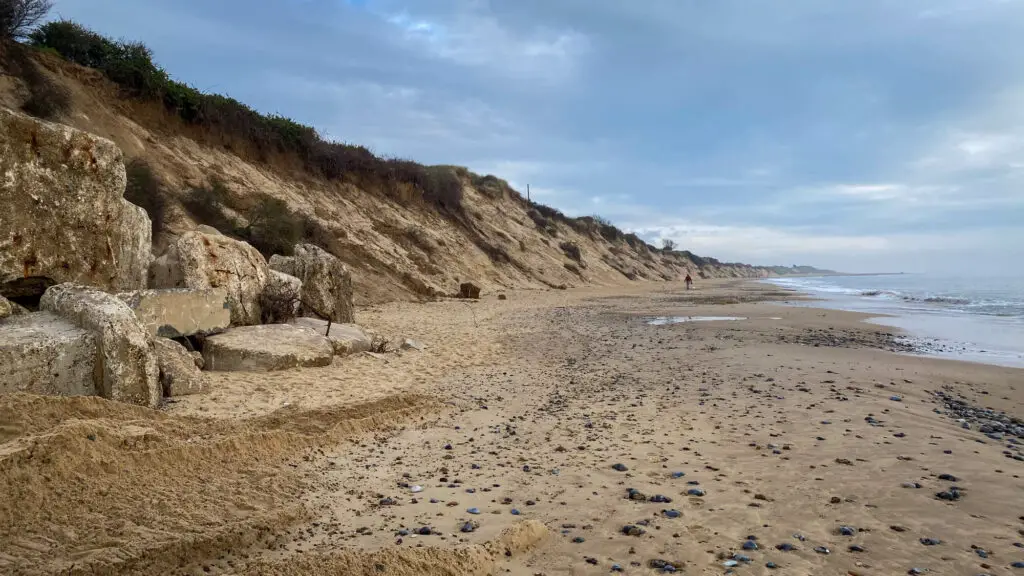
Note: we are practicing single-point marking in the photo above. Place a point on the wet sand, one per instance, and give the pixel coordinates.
(793, 421)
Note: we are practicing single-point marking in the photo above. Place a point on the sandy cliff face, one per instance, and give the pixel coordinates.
(397, 246)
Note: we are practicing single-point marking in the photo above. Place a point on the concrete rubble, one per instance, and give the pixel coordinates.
(64, 217)
(265, 348)
(127, 369)
(200, 261)
(177, 312)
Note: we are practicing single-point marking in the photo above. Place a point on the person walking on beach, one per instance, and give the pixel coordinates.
(689, 281)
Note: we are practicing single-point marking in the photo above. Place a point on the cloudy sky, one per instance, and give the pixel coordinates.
(860, 135)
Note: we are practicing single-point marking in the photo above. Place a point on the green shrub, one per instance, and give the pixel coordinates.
(130, 65)
(145, 189)
(274, 228)
(206, 205)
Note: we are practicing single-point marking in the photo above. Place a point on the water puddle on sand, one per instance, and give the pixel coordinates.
(663, 320)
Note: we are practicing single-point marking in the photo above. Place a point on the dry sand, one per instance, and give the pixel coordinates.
(526, 404)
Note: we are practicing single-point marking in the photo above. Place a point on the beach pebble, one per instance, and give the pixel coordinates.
(678, 474)
(659, 499)
(847, 530)
(631, 530)
(468, 527)
(750, 545)
(671, 513)
(856, 548)
(822, 550)
(515, 512)
(473, 510)
(948, 478)
(931, 541)
(579, 540)
(771, 565)
(785, 547)
(619, 467)
(695, 492)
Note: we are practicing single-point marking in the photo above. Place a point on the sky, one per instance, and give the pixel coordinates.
(863, 136)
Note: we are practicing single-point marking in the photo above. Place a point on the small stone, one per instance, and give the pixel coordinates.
(750, 545)
(856, 548)
(695, 492)
(672, 513)
(822, 550)
(785, 547)
(468, 527)
(473, 510)
(631, 530)
(619, 467)
(931, 541)
(948, 478)
(515, 512)
(771, 565)
(579, 540)
(847, 530)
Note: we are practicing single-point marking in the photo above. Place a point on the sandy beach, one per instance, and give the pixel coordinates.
(553, 432)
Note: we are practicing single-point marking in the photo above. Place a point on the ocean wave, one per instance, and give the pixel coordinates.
(945, 300)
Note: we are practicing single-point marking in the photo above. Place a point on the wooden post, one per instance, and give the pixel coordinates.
(528, 193)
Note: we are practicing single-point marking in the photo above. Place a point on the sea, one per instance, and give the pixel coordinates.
(978, 319)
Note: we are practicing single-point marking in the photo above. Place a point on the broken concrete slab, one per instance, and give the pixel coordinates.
(265, 348)
(345, 338)
(65, 218)
(177, 312)
(196, 260)
(127, 362)
(41, 353)
(179, 374)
